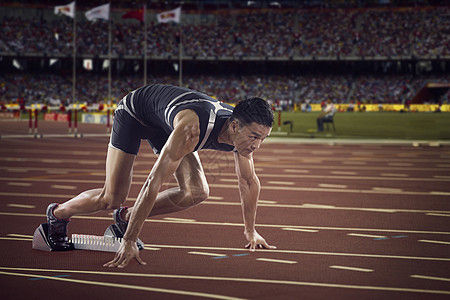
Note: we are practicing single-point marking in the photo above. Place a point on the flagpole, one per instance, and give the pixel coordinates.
(74, 62)
(109, 60)
(145, 47)
(180, 70)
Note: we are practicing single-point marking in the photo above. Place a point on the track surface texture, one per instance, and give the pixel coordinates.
(349, 221)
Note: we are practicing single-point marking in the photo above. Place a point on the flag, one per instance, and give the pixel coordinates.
(68, 9)
(135, 14)
(99, 12)
(168, 16)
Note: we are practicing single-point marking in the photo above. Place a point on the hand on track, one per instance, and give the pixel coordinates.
(256, 241)
(127, 251)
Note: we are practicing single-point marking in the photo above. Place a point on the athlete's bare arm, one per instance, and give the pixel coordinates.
(182, 141)
(249, 189)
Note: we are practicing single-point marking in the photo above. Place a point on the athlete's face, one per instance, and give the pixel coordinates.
(249, 138)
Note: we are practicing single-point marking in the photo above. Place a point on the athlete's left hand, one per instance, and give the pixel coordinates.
(255, 241)
(128, 251)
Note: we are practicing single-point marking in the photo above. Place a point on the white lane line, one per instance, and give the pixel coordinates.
(300, 229)
(179, 220)
(434, 242)
(367, 235)
(295, 171)
(351, 269)
(437, 215)
(393, 175)
(206, 253)
(277, 261)
(390, 190)
(267, 201)
(21, 205)
(343, 173)
(229, 179)
(215, 198)
(400, 164)
(281, 182)
(20, 235)
(333, 186)
(440, 193)
(353, 162)
(430, 277)
(63, 187)
(19, 183)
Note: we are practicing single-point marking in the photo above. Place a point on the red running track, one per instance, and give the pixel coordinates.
(349, 222)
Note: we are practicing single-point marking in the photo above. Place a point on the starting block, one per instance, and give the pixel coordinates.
(108, 243)
(41, 242)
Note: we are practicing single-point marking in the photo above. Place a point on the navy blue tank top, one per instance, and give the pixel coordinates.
(155, 106)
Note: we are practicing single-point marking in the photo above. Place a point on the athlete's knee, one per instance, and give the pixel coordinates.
(111, 201)
(194, 195)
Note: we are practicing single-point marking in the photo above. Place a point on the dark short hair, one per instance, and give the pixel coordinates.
(253, 110)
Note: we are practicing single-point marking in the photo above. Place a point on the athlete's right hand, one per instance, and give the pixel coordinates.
(128, 251)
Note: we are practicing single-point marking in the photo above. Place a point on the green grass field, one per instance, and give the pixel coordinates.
(370, 125)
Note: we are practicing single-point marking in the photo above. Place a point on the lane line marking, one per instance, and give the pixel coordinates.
(126, 286)
(281, 182)
(343, 173)
(367, 235)
(440, 193)
(206, 253)
(434, 242)
(231, 279)
(63, 187)
(387, 190)
(41, 278)
(299, 229)
(393, 175)
(333, 186)
(89, 217)
(20, 235)
(267, 202)
(351, 269)
(295, 171)
(16, 205)
(179, 219)
(430, 277)
(215, 198)
(20, 183)
(277, 261)
(438, 215)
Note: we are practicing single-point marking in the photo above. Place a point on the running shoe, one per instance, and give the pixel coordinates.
(121, 226)
(57, 231)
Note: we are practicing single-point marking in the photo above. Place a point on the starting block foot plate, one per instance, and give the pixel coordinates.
(41, 242)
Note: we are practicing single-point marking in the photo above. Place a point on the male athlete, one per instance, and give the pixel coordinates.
(176, 122)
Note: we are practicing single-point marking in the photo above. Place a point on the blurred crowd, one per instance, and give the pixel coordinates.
(281, 91)
(261, 33)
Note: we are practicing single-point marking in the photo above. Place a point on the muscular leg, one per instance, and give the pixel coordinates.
(119, 166)
(192, 189)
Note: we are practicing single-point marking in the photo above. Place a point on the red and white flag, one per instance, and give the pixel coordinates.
(68, 9)
(135, 14)
(170, 16)
(99, 12)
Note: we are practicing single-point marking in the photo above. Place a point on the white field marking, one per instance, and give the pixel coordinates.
(90, 162)
(63, 187)
(438, 215)
(227, 279)
(333, 186)
(387, 190)
(179, 220)
(440, 193)
(435, 242)
(19, 183)
(90, 217)
(295, 171)
(20, 235)
(53, 161)
(229, 179)
(278, 261)
(57, 172)
(151, 248)
(441, 177)
(206, 253)
(367, 235)
(21, 205)
(393, 175)
(351, 269)
(430, 277)
(17, 170)
(267, 202)
(394, 164)
(340, 254)
(215, 198)
(281, 182)
(343, 173)
(128, 286)
(353, 162)
(299, 229)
